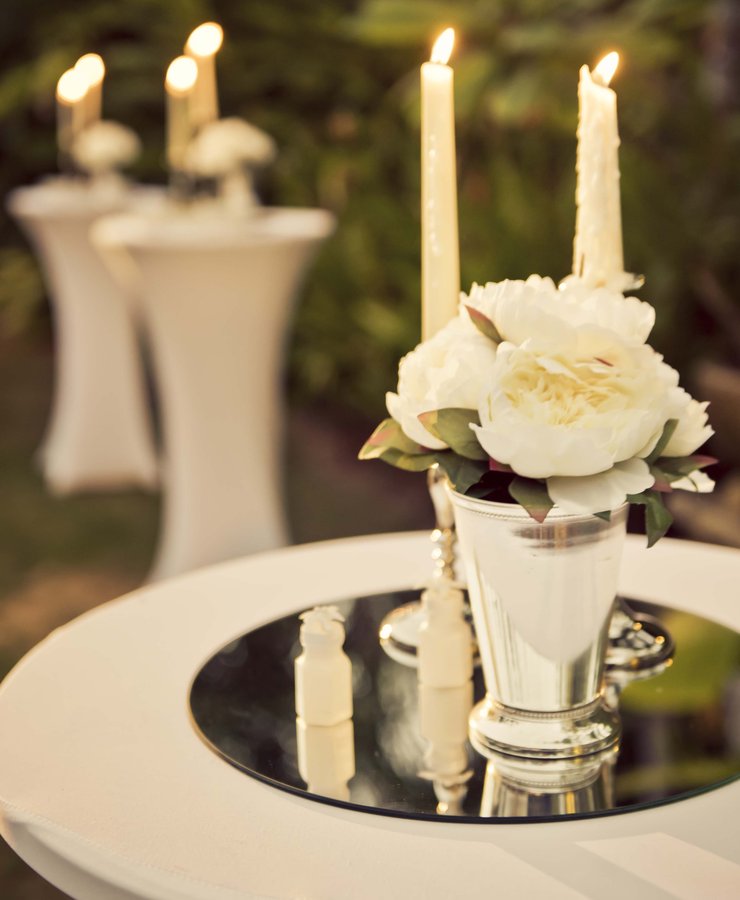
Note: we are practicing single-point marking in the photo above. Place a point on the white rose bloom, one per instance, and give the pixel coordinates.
(452, 369)
(105, 146)
(525, 309)
(692, 429)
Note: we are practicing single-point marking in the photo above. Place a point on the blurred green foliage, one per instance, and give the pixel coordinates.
(336, 84)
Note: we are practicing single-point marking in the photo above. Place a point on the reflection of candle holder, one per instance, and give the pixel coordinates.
(326, 757)
(399, 630)
(517, 787)
(443, 719)
(637, 642)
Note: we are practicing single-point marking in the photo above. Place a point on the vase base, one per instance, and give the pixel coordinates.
(564, 734)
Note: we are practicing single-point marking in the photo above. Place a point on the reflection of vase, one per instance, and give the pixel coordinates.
(526, 788)
(542, 597)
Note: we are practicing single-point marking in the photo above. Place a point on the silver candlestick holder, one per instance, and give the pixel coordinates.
(399, 630)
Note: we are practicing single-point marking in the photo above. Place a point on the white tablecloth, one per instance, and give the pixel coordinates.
(107, 791)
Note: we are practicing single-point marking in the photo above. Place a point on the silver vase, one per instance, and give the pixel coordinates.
(542, 597)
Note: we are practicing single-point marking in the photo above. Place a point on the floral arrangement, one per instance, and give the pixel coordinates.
(227, 145)
(547, 395)
(105, 146)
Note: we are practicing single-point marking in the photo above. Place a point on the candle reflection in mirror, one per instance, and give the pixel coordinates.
(445, 687)
(443, 721)
(324, 706)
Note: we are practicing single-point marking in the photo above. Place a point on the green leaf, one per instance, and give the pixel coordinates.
(493, 485)
(657, 518)
(389, 435)
(484, 324)
(410, 462)
(668, 429)
(533, 496)
(606, 515)
(662, 481)
(452, 425)
(462, 472)
(675, 467)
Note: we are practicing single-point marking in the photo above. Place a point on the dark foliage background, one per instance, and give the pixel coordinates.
(336, 84)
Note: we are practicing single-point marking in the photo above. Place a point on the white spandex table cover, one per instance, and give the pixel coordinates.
(107, 791)
(216, 296)
(99, 434)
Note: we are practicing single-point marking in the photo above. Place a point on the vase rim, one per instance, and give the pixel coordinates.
(515, 511)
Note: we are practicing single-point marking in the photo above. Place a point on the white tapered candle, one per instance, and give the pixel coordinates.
(597, 250)
(440, 277)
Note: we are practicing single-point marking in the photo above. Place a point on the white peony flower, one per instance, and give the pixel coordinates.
(225, 145)
(574, 407)
(452, 369)
(601, 492)
(105, 146)
(580, 412)
(692, 429)
(524, 309)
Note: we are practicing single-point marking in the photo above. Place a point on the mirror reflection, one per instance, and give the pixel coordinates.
(387, 738)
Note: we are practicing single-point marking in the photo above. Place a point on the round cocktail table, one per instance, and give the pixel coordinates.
(107, 791)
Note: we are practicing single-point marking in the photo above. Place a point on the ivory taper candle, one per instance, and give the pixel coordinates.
(92, 68)
(179, 81)
(203, 45)
(440, 253)
(70, 93)
(597, 249)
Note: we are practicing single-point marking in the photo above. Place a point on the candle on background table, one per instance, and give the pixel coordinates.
(440, 253)
(92, 68)
(70, 95)
(181, 76)
(203, 45)
(597, 248)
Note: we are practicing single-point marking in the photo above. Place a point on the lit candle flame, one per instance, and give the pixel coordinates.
(71, 87)
(181, 74)
(91, 67)
(442, 49)
(205, 40)
(607, 67)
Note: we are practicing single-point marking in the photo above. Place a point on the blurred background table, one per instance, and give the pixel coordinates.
(216, 293)
(99, 435)
(110, 796)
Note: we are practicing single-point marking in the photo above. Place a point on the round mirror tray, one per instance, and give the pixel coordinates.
(680, 729)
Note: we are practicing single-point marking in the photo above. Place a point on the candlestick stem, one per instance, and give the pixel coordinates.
(443, 536)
